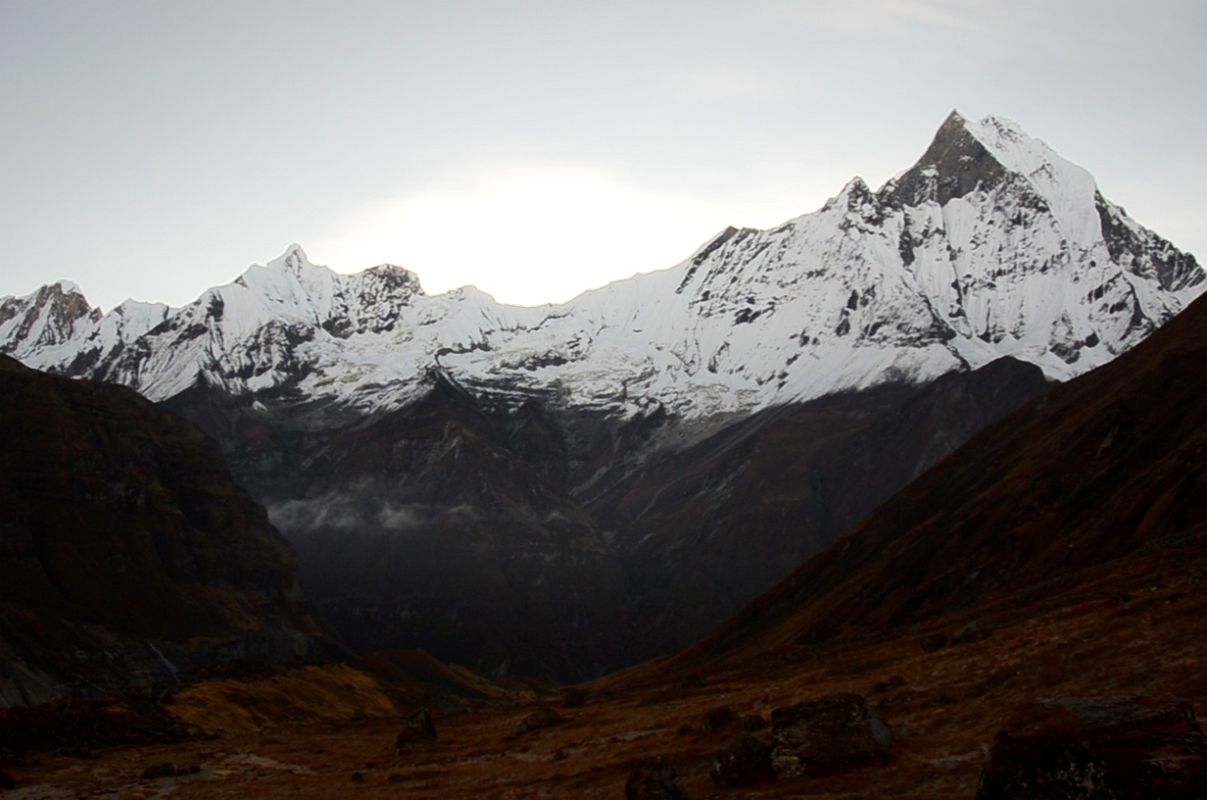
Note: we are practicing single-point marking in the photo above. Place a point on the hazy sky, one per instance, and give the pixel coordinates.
(536, 149)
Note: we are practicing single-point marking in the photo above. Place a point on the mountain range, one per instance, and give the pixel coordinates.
(563, 490)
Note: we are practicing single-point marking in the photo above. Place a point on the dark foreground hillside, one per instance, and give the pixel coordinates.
(1107, 469)
(127, 555)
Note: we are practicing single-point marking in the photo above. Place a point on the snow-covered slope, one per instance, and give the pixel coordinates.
(991, 245)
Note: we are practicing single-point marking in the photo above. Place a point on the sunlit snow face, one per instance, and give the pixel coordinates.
(534, 234)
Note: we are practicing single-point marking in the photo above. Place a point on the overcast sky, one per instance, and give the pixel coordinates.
(536, 149)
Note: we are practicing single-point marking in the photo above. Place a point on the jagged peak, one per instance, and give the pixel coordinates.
(42, 294)
(291, 268)
(395, 271)
(967, 156)
(1020, 152)
(1002, 124)
(856, 185)
(955, 164)
(1010, 144)
(953, 123)
(954, 118)
(853, 193)
(67, 297)
(294, 259)
(1070, 190)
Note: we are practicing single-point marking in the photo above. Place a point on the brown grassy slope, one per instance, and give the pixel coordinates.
(1134, 628)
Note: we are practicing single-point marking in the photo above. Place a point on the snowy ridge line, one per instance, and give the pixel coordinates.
(991, 245)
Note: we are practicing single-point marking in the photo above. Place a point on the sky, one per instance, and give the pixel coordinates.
(155, 148)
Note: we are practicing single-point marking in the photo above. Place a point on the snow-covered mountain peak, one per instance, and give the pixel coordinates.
(43, 319)
(984, 156)
(855, 186)
(292, 266)
(990, 245)
(293, 260)
(1068, 188)
(389, 276)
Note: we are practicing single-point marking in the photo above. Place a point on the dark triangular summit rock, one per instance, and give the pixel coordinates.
(955, 164)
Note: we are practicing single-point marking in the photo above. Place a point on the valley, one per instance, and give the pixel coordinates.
(510, 487)
(902, 498)
(944, 709)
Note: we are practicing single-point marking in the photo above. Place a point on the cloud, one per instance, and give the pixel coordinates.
(359, 510)
(724, 83)
(1065, 31)
(951, 15)
(534, 233)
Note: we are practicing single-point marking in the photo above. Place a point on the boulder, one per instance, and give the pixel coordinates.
(538, 720)
(745, 762)
(753, 722)
(934, 642)
(825, 735)
(972, 632)
(168, 770)
(895, 682)
(719, 719)
(417, 732)
(653, 779)
(574, 696)
(1098, 749)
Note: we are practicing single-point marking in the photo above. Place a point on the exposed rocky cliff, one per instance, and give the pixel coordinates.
(129, 557)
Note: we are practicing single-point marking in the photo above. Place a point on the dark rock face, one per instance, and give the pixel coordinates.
(127, 555)
(746, 761)
(821, 736)
(445, 525)
(653, 779)
(1147, 252)
(515, 537)
(954, 165)
(1114, 748)
(417, 732)
(719, 719)
(122, 718)
(736, 512)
